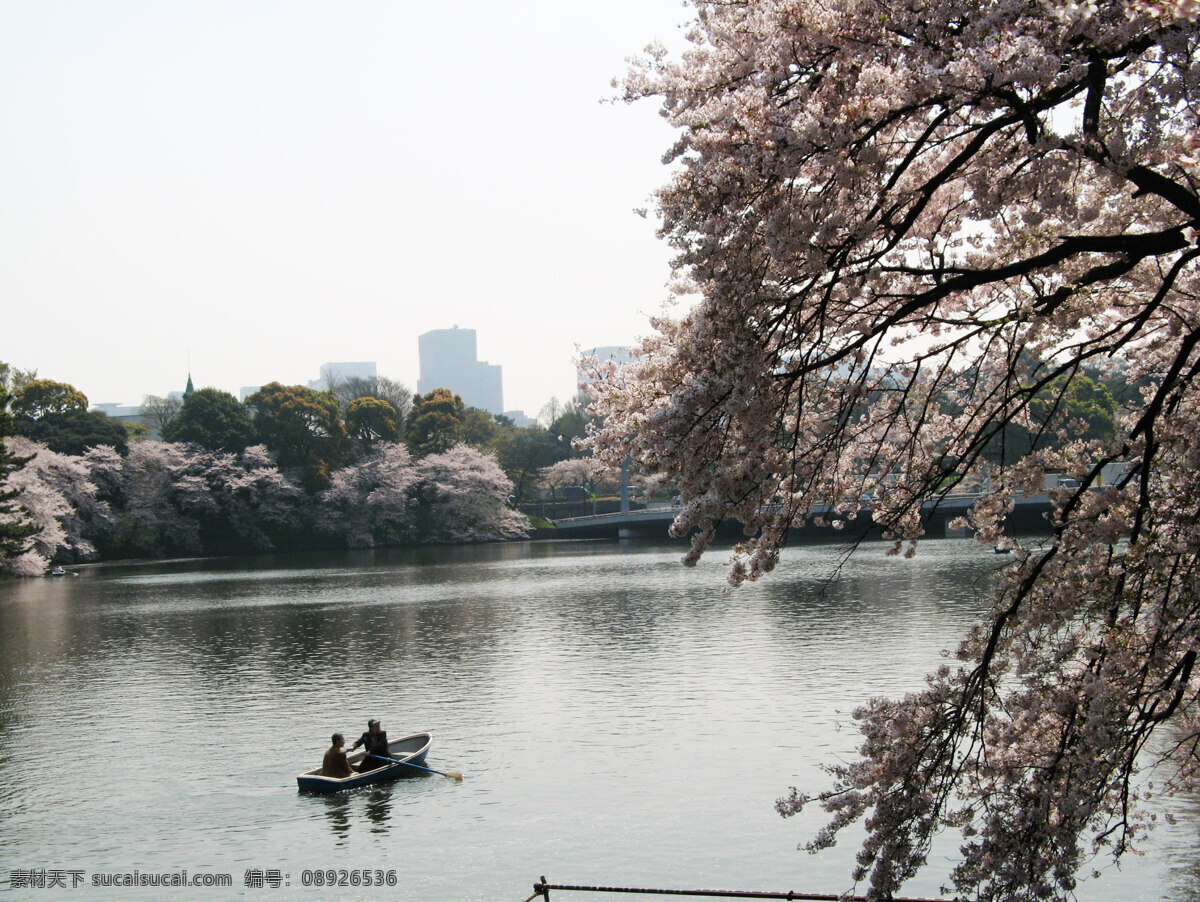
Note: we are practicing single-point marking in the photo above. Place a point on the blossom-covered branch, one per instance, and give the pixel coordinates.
(906, 235)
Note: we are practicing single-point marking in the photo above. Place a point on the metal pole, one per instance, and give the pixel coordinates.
(625, 483)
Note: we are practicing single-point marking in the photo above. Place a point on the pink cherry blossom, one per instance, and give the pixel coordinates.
(902, 232)
(464, 497)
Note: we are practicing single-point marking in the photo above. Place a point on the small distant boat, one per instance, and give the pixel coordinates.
(57, 571)
(410, 749)
(1019, 553)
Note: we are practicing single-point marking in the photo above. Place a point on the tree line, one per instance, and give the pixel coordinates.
(364, 463)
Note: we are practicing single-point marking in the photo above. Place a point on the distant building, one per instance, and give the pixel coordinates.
(333, 373)
(137, 414)
(520, 419)
(185, 394)
(118, 411)
(449, 360)
(126, 413)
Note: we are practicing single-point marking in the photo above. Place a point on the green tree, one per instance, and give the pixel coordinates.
(399, 396)
(571, 423)
(75, 431)
(524, 453)
(1084, 400)
(435, 424)
(1061, 409)
(370, 421)
(213, 419)
(43, 397)
(478, 428)
(303, 427)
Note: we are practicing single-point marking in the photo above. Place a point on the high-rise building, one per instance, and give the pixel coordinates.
(449, 359)
(334, 373)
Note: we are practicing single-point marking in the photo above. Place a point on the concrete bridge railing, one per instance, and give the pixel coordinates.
(1029, 514)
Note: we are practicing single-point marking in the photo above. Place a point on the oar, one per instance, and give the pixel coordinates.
(452, 774)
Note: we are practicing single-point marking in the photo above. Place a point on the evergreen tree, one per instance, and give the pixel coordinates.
(213, 419)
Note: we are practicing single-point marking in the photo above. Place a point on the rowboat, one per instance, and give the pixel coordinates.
(411, 749)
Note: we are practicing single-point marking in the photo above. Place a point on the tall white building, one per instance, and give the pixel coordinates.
(449, 359)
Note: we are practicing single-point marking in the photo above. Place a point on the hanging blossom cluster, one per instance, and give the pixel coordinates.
(904, 231)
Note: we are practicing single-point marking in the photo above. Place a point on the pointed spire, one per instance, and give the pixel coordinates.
(190, 388)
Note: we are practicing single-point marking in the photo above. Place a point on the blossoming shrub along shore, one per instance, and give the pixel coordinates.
(905, 232)
(166, 498)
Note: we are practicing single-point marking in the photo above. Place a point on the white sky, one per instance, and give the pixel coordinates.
(262, 186)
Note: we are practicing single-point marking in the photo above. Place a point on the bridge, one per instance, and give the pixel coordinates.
(1029, 515)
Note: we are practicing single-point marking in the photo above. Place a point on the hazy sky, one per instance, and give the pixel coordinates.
(261, 187)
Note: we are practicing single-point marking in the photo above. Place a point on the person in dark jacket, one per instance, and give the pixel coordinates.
(335, 763)
(376, 743)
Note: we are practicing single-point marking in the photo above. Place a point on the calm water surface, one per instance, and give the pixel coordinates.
(619, 720)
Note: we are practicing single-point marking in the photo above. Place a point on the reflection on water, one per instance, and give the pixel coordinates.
(369, 807)
(618, 718)
(379, 806)
(337, 810)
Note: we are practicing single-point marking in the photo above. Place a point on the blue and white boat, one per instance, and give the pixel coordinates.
(408, 750)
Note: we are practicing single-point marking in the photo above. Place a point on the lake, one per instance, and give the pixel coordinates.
(619, 720)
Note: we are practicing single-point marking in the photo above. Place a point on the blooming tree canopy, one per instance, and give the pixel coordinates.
(57, 494)
(463, 497)
(16, 528)
(594, 475)
(910, 227)
(371, 502)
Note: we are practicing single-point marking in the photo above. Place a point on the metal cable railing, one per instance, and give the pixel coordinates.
(542, 888)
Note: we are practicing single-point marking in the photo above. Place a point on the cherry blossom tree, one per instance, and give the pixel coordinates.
(593, 474)
(372, 502)
(58, 495)
(464, 498)
(899, 226)
(169, 498)
(16, 529)
(258, 507)
(161, 500)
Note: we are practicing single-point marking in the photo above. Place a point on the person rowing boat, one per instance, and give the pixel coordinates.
(376, 743)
